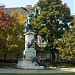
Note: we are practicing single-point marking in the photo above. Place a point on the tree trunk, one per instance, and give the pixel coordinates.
(53, 57)
(5, 56)
(17, 57)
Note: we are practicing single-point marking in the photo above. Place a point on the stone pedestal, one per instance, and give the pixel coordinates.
(29, 53)
(28, 64)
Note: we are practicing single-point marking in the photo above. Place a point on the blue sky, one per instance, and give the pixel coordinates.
(23, 3)
(71, 4)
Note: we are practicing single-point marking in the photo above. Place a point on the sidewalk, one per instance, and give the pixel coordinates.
(57, 70)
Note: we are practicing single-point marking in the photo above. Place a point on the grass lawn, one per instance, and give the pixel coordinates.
(40, 74)
(64, 65)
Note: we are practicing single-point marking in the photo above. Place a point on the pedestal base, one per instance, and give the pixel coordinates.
(28, 64)
(29, 53)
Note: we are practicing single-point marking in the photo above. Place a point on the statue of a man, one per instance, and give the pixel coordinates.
(28, 25)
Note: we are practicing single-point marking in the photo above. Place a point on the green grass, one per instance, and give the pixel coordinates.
(64, 65)
(40, 74)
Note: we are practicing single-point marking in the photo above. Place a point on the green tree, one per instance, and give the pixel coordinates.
(67, 44)
(53, 21)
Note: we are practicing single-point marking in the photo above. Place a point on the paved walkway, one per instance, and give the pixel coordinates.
(57, 70)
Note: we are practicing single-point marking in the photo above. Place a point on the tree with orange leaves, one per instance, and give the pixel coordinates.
(6, 24)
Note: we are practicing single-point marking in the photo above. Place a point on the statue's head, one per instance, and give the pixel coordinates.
(31, 14)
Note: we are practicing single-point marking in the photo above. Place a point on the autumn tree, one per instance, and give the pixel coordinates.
(11, 33)
(53, 21)
(6, 23)
(15, 41)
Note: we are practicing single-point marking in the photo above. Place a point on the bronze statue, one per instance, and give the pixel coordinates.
(28, 26)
